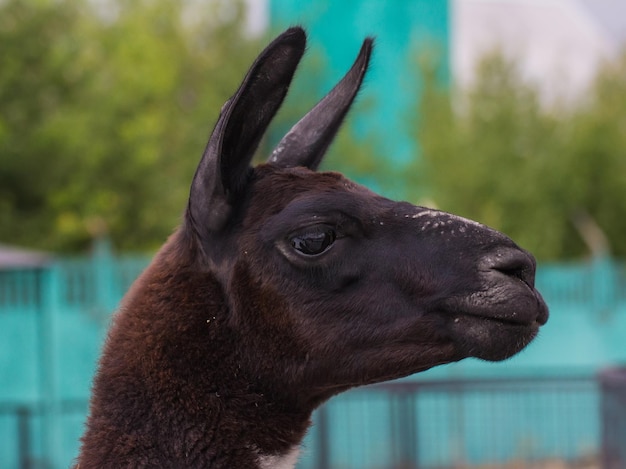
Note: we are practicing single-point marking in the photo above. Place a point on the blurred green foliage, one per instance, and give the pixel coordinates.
(553, 178)
(105, 109)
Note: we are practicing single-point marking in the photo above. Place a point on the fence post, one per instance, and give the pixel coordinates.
(103, 262)
(405, 451)
(408, 440)
(613, 417)
(48, 386)
(24, 446)
(321, 424)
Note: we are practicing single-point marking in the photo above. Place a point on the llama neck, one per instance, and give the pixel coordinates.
(174, 387)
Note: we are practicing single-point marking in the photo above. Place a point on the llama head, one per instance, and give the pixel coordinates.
(331, 285)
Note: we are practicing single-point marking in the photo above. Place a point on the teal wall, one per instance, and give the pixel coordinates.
(386, 108)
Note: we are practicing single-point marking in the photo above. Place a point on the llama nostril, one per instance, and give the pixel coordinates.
(515, 263)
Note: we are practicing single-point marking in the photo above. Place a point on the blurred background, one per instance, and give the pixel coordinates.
(510, 112)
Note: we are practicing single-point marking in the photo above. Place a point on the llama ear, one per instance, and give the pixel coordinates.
(224, 167)
(308, 140)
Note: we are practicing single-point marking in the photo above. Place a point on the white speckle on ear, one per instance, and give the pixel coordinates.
(280, 461)
(277, 151)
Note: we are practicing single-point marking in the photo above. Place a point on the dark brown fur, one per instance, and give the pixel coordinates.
(234, 335)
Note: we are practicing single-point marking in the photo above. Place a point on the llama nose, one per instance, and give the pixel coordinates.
(514, 263)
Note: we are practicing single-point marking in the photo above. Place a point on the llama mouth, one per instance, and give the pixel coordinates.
(508, 300)
(497, 323)
(496, 335)
(506, 289)
(489, 338)
(514, 322)
(514, 309)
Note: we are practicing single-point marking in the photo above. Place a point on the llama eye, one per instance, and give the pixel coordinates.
(314, 243)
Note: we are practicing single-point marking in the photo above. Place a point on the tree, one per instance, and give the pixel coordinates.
(107, 115)
(544, 176)
(37, 81)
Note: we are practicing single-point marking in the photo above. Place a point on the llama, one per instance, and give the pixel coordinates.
(284, 286)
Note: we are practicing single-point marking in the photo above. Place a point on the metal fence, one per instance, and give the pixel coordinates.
(538, 423)
(25, 421)
(613, 386)
(516, 423)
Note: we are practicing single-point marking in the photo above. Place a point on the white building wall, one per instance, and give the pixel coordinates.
(558, 43)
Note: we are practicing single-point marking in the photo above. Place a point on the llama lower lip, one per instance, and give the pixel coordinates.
(526, 313)
(506, 321)
(519, 307)
(484, 336)
(517, 301)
